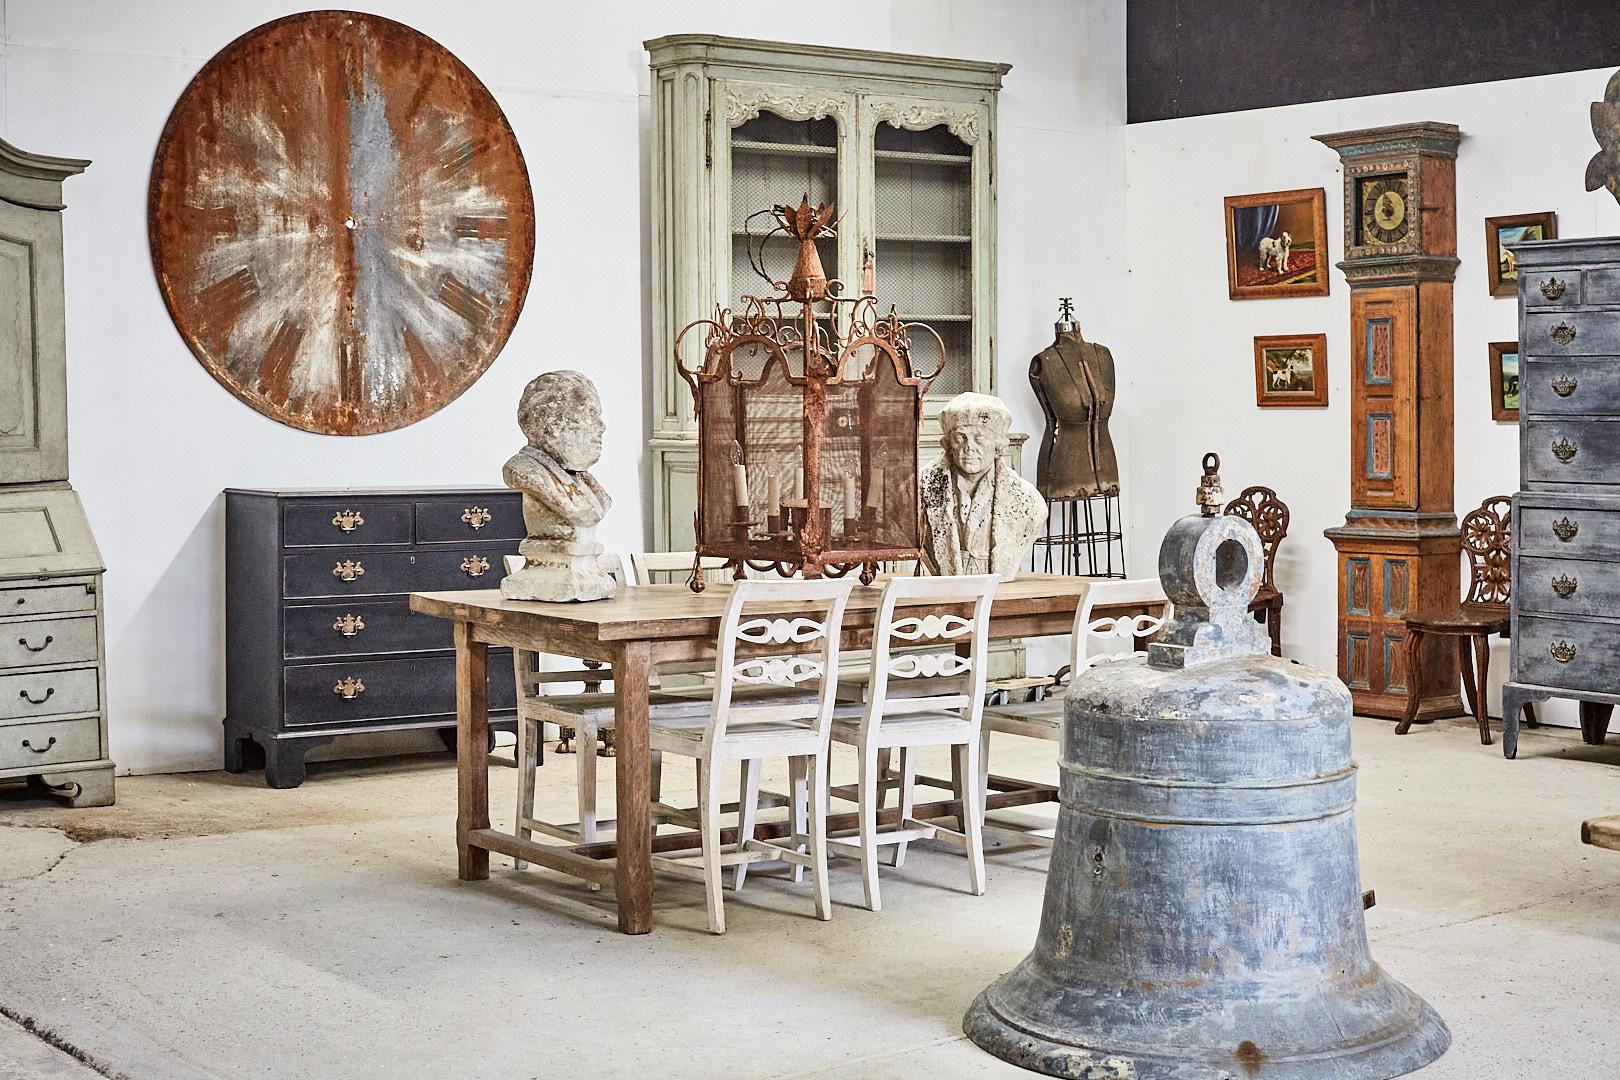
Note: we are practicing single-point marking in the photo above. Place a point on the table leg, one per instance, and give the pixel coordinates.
(632, 775)
(472, 751)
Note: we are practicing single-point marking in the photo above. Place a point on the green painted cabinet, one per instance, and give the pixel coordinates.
(905, 146)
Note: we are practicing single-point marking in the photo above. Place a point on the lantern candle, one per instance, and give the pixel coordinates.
(739, 476)
(798, 484)
(851, 496)
(874, 487)
(773, 496)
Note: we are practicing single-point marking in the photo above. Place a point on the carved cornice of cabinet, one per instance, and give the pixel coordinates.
(963, 123)
(742, 105)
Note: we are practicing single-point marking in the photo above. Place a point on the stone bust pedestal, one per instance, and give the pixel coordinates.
(561, 416)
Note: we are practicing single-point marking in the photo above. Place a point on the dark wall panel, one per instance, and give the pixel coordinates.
(1193, 57)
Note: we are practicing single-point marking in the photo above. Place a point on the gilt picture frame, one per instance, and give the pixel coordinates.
(1501, 275)
(1277, 245)
(1505, 381)
(1290, 371)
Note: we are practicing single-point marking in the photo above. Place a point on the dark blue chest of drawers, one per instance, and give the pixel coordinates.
(1566, 517)
(319, 637)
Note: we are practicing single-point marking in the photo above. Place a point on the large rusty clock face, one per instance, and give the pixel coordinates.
(341, 222)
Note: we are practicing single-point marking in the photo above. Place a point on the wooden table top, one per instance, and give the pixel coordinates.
(643, 612)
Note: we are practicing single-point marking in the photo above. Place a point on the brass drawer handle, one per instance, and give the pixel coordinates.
(348, 570)
(1564, 585)
(1562, 651)
(349, 688)
(1565, 529)
(349, 625)
(348, 520)
(39, 749)
(36, 648)
(1563, 449)
(1563, 333)
(475, 566)
(1563, 386)
(1552, 288)
(32, 700)
(477, 516)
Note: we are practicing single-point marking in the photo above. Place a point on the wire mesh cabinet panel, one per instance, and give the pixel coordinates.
(904, 145)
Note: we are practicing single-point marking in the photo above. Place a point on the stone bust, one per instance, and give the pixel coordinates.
(979, 516)
(560, 415)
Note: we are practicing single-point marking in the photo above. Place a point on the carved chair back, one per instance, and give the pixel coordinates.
(803, 648)
(1101, 641)
(1260, 507)
(663, 567)
(950, 678)
(1487, 540)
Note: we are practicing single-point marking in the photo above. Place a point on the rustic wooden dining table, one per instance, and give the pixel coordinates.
(635, 631)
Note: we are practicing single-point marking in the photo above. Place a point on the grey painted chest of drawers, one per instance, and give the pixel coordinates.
(320, 638)
(1566, 517)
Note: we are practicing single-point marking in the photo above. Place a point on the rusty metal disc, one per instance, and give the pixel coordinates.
(341, 222)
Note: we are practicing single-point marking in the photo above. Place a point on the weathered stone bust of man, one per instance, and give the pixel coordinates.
(561, 416)
(979, 516)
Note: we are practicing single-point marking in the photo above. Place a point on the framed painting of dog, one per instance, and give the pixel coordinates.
(1290, 371)
(1505, 381)
(1501, 274)
(1276, 244)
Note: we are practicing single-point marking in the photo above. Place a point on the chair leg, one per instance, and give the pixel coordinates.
(586, 759)
(528, 736)
(1274, 626)
(973, 812)
(798, 810)
(747, 814)
(908, 797)
(883, 774)
(984, 770)
(818, 833)
(868, 809)
(1482, 669)
(709, 821)
(655, 771)
(1414, 649)
(1465, 662)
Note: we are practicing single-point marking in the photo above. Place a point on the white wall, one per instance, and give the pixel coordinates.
(1188, 350)
(155, 439)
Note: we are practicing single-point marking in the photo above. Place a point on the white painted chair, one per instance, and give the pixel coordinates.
(737, 730)
(941, 705)
(1096, 641)
(588, 712)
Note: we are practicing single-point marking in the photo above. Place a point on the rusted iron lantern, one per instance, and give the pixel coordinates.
(1204, 914)
(808, 412)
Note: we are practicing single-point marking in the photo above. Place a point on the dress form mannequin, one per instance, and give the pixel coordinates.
(1073, 380)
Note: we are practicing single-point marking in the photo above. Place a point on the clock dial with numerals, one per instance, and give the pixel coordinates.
(341, 222)
(1383, 209)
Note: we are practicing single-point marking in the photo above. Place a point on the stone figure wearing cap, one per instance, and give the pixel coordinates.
(560, 415)
(979, 516)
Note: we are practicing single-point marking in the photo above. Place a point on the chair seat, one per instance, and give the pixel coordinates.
(1462, 619)
(897, 729)
(690, 728)
(597, 708)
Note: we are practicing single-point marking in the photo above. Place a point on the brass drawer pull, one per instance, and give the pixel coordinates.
(1562, 651)
(348, 570)
(39, 749)
(1563, 333)
(36, 648)
(349, 688)
(1552, 288)
(1563, 386)
(1564, 585)
(32, 700)
(1565, 529)
(477, 516)
(1563, 449)
(475, 566)
(349, 625)
(348, 520)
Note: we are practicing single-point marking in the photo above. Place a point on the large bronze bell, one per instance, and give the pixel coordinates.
(1203, 916)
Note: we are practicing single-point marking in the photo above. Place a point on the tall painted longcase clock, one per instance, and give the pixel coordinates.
(1399, 546)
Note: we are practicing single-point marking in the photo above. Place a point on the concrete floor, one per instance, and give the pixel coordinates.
(209, 927)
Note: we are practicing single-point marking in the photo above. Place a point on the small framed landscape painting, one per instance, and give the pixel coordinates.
(1500, 272)
(1505, 381)
(1290, 371)
(1276, 244)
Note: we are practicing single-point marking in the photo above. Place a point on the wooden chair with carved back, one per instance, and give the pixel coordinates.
(1487, 541)
(1261, 507)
